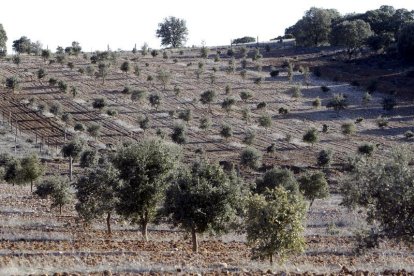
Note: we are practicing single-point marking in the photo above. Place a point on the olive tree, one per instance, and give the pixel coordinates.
(56, 188)
(385, 188)
(164, 77)
(73, 150)
(314, 186)
(208, 97)
(144, 168)
(406, 41)
(32, 169)
(274, 224)
(172, 31)
(97, 194)
(202, 198)
(277, 178)
(251, 157)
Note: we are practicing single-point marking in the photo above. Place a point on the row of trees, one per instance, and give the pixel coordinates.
(379, 28)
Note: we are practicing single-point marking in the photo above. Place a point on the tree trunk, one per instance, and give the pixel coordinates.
(108, 223)
(194, 239)
(271, 259)
(70, 167)
(144, 231)
(60, 209)
(31, 186)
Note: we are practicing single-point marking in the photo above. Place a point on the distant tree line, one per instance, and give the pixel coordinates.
(385, 29)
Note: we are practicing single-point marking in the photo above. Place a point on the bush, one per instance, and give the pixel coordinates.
(338, 102)
(99, 103)
(382, 122)
(249, 137)
(409, 134)
(185, 115)
(55, 108)
(324, 158)
(316, 103)
(251, 157)
(179, 134)
(348, 128)
(52, 81)
(311, 136)
(41, 73)
(13, 83)
(63, 87)
(296, 93)
(138, 95)
(366, 149)
(205, 123)
(388, 103)
(283, 111)
(226, 131)
(88, 159)
(79, 127)
(228, 89)
(366, 98)
(261, 105)
(57, 189)
(265, 120)
(325, 88)
(112, 112)
(246, 95)
(274, 73)
(275, 178)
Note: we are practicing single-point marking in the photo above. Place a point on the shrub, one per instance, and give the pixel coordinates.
(41, 73)
(409, 134)
(249, 137)
(366, 149)
(348, 128)
(63, 87)
(261, 105)
(316, 103)
(325, 88)
(179, 134)
(13, 83)
(138, 95)
(228, 104)
(275, 178)
(52, 81)
(57, 189)
(246, 95)
(88, 159)
(155, 100)
(144, 123)
(265, 120)
(205, 123)
(311, 136)
(274, 73)
(94, 130)
(246, 114)
(271, 148)
(296, 92)
(382, 122)
(338, 102)
(226, 131)
(99, 103)
(324, 128)
(185, 115)
(258, 80)
(366, 98)
(283, 111)
(406, 41)
(208, 97)
(324, 158)
(79, 127)
(251, 157)
(243, 73)
(112, 112)
(228, 89)
(55, 108)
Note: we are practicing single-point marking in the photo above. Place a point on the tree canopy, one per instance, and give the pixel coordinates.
(3, 41)
(172, 31)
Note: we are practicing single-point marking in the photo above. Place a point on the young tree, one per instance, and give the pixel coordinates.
(311, 136)
(324, 158)
(205, 123)
(314, 186)
(208, 97)
(73, 150)
(22, 45)
(103, 70)
(56, 188)
(99, 103)
(274, 224)
(144, 49)
(125, 67)
(249, 137)
(32, 169)
(246, 95)
(226, 131)
(179, 134)
(144, 168)
(13, 83)
(144, 123)
(41, 73)
(94, 130)
(228, 104)
(348, 129)
(265, 120)
(155, 100)
(251, 157)
(97, 194)
(173, 32)
(338, 102)
(89, 158)
(164, 77)
(202, 198)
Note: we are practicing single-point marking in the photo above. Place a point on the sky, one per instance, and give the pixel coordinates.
(121, 24)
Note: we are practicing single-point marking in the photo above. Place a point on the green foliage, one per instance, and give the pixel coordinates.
(208, 97)
(63, 87)
(179, 134)
(316, 103)
(246, 95)
(94, 130)
(13, 83)
(32, 169)
(125, 67)
(314, 186)
(348, 128)
(251, 157)
(97, 193)
(366, 149)
(79, 127)
(73, 148)
(203, 198)
(41, 73)
(3, 41)
(244, 39)
(246, 114)
(103, 70)
(164, 77)
(145, 169)
(277, 178)
(52, 81)
(138, 95)
(172, 31)
(205, 123)
(274, 224)
(249, 137)
(22, 45)
(351, 34)
(385, 188)
(311, 136)
(56, 188)
(55, 108)
(382, 122)
(406, 41)
(296, 91)
(155, 100)
(99, 103)
(144, 49)
(185, 115)
(314, 28)
(265, 120)
(144, 123)
(338, 102)
(89, 158)
(226, 131)
(324, 158)
(228, 104)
